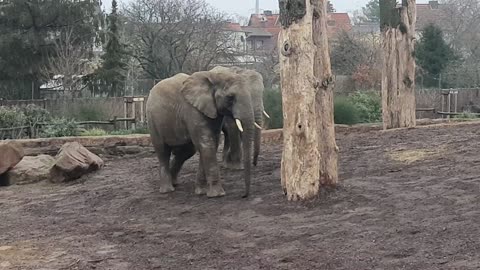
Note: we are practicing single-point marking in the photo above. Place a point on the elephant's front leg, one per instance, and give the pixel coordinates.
(208, 157)
(201, 181)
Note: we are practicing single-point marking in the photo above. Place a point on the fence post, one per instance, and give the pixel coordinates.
(115, 127)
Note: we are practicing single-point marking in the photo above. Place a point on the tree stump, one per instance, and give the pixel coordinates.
(309, 159)
(398, 73)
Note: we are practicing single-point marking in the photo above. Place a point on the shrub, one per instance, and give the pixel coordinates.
(60, 127)
(368, 105)
(272, 100)
(35, 114)
(345, 112)
(94, 132)
(11, 117)
(466, 115)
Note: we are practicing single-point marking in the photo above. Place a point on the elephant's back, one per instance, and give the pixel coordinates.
(170, 85)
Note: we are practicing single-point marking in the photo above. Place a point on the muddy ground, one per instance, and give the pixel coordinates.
(408, 200)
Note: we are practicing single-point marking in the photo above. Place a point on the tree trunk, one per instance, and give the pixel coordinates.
(398, 73)
(309, 160)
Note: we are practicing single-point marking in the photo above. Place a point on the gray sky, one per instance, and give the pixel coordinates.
(247, 7)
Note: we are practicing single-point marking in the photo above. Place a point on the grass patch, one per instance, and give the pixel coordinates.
(414, 155)
(94, 132)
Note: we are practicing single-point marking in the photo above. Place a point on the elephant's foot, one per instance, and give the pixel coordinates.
(166, 188)
(200, 190)
(233, 165)
(215, 191)
(174, 182)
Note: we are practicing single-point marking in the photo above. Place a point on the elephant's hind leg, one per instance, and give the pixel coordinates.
(180, 155)
(163, 154)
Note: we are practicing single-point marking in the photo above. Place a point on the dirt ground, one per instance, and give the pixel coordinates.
(408, 200)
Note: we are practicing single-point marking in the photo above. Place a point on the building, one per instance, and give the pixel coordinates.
(431, 13)
(263, 29)
(337, 23)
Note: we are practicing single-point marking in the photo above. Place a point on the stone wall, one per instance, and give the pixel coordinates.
(132, 144)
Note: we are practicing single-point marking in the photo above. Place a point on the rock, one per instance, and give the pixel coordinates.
(73, 161)
(31, 170)
(10, 155)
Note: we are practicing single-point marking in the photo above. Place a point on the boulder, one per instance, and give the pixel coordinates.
(10, 155)
(73, 161)
(31, 170)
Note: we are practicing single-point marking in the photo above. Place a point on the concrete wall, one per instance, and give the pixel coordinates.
(134, 144)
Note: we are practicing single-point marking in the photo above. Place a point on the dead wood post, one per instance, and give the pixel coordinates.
(398, 73)
(309, 160)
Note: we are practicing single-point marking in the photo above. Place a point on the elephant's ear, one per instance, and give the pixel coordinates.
(198, 91)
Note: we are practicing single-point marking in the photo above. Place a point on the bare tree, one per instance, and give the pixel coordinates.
(68, 63)
(310, 154)
(172, 36)
(398, 73)
(461, 24)
(269, 66)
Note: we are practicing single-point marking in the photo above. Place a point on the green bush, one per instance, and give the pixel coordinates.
(272, 100)
(94, 132)
(11, 117)
(361, 107)
(466, 115)
(35, 114)
(60, 127)
(368, 105)
(345, 111)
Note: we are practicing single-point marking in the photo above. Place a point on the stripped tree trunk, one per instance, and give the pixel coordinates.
(309, 160)
(398, 73)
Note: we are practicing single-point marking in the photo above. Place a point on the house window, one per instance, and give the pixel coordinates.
(259, 44)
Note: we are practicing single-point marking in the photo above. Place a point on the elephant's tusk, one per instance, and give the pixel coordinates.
(257, 125)
(266, 114)
(239, 125)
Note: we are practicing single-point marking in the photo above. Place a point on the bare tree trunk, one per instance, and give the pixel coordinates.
(309, 160)
(398, 73)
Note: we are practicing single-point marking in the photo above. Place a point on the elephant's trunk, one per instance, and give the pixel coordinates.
(244, 113)
(257, 136)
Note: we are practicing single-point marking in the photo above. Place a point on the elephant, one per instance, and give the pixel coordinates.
(185, 115)
(232, 150)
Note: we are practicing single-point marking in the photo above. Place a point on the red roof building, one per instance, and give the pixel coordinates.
(270, 23)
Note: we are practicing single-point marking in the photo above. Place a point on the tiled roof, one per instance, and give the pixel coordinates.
(235, 27)
(264, 21)
(337, 22)
(271, 23)
(258, 32)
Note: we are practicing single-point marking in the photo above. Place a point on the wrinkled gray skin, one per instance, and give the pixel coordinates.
(232, 151)
(185, 115)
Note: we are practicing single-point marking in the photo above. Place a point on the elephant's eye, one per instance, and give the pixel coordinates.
(230, 97)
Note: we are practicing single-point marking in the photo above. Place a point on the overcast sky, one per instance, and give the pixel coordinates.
(247, 7)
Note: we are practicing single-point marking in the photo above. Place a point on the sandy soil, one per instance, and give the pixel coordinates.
(408, 200)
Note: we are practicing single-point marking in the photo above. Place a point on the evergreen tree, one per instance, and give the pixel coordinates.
(433, 54)
(371, 12)
(112, 72)
(330, 8)
(28, 30)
